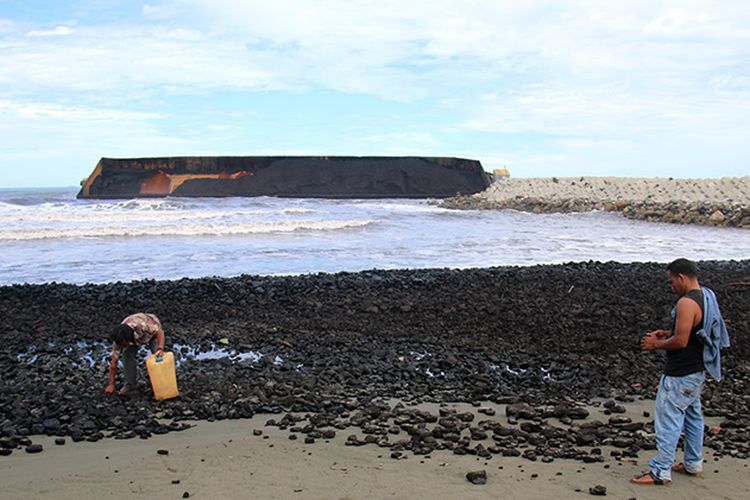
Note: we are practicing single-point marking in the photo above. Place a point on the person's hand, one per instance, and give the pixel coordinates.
(662, 334)
(159, 353)
(109, 389)
(648, 342)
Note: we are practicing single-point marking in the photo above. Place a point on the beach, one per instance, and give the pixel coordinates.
(533, 369)
(412, 250)
(721, 202)
(224, 460)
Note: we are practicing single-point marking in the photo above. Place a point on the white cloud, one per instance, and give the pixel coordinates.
(390, 49)
(58, 31)
(6, 26)
(82, 113)
(597, 77)
(157, 12)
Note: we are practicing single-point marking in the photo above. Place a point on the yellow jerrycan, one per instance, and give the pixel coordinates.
(163, 376)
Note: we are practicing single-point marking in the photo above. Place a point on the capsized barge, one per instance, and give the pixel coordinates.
(285, 176)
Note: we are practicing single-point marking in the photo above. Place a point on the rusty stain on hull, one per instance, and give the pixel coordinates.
(86, 183)
(163, 184)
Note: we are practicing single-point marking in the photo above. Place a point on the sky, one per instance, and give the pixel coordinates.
(544, 88)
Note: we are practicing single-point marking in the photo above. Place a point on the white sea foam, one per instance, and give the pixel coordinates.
(180, 229)
(144, 204)
(93, 217)
(297, 211)
(403, 207)
(48, 235)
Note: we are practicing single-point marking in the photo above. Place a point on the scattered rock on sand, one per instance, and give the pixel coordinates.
(477, 477)
(598, 490)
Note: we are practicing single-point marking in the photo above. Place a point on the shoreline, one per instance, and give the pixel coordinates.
(558, 343)
(227, 459)
(723, 202)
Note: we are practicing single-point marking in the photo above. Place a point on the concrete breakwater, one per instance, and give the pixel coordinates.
(290, 176)
(720, 202)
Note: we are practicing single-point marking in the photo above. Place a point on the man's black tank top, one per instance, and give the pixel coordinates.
(690, 359)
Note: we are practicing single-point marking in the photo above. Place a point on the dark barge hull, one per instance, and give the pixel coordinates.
(285, 176)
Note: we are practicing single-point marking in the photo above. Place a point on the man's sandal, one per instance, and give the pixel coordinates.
(680, 468)
(649, 478)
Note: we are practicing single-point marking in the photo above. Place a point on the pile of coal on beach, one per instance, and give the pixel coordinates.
(544, 340)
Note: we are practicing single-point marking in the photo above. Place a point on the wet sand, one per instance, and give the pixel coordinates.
(225, 460)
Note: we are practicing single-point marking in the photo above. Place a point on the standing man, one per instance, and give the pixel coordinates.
(136, 330)
(692, 346)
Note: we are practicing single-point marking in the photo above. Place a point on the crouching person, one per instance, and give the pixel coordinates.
(136, 330)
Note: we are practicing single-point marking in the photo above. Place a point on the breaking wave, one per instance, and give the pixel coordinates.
(201, 229)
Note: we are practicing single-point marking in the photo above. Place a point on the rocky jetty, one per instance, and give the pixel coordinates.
(324, 354)
(291, 176)
(717, 202)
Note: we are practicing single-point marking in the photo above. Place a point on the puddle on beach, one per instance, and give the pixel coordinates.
(504, 368)
(99, 352)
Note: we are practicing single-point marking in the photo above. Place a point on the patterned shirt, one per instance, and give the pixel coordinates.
(144, 325)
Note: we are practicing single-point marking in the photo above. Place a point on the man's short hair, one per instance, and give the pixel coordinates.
(121, 333)
(683, 266)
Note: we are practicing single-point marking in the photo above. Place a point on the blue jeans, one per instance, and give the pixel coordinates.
(678, 409)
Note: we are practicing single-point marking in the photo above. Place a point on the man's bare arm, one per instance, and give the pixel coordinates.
(687, 312)
(159, 342)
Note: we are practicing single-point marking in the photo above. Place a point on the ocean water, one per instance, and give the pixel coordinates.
(48, 235)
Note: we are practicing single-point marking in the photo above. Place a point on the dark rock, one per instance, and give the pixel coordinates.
(585, 439)
(335, 382)
(622, 442)
(60, 441)
(51, 424)
(521, 410)
(477, 477)
(619, 420)
(162, 452)
(530, 427)
(34, 448)
(635, 426)
(598, 490)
